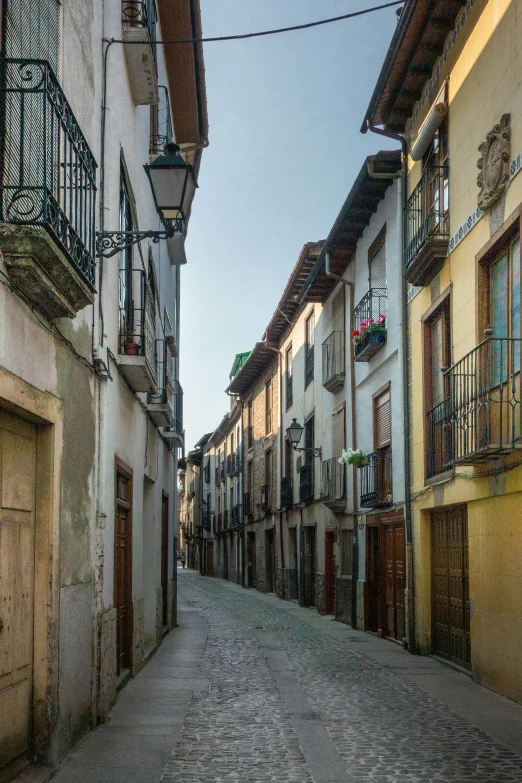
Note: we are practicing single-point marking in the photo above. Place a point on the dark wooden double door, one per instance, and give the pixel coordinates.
(386, 577)
(450, 584)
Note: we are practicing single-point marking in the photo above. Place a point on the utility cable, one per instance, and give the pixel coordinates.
(272, 32)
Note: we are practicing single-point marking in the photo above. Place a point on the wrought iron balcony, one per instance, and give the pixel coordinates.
(481, 415)
(266, 498)
(334, 363)
(160, 404)
(161, 132)
(206, 520)
(376, 480)
(137, 335)
(219, 522)
(223, 473)
(289, 391)
(369, 320)
(229, 464)
(237, 462)
(47, 191)
(426, 218)
(287, 493)
(139, 27)
(175, 433)
(309, 366)
(225, 520)
(333, 484)
(218, 477)
(247, 505)
(236, 517)
(306, 483)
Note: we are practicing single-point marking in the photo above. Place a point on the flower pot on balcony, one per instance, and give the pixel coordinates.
(131, 348)
(369, 344)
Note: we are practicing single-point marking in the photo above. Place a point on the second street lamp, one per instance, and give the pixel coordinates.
(294, 433)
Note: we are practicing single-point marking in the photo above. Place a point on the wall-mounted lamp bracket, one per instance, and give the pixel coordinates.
(108, 243)
(317, 452)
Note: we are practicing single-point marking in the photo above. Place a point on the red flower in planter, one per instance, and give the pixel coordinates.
(355, 333)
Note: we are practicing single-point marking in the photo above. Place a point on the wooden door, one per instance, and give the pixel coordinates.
(251, 560)
(165, 558)
(310, 566)
(123, 569)
(17, 532)
(372, 578)
(329, 571)
(450, 584)
(210, 558)
(270, 561)
(394, 580)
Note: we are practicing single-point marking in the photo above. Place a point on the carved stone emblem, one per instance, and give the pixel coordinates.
(493, 164)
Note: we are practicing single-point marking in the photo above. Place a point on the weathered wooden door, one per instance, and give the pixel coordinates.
(123, 569)
(310, 566)
(329, 572)
(17, 532)
(450, 584)
(210, 558)
(165, 558)
(394, 578)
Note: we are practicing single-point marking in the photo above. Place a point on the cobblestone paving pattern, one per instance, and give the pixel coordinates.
(386, 728)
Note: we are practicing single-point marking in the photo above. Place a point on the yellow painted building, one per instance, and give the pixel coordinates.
(451, 89)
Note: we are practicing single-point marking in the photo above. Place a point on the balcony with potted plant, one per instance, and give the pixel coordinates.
(370, 331)
(137, 337)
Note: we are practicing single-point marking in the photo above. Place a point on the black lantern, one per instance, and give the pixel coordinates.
(173, 184)
(294, 432)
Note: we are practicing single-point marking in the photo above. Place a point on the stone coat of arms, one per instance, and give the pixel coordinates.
(493, 164)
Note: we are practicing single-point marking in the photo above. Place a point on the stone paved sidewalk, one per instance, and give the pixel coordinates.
(252, 689)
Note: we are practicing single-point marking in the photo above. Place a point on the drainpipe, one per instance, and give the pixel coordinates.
(280, 460)
(410, 616)
(355, 559)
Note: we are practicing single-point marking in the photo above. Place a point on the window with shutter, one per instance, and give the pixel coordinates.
(382, 419)
(338, 432)
(377, 261)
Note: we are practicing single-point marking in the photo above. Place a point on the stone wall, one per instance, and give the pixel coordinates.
(281, 583)
(343, 600)
(172, 605)
(108, 663)
(137, 635)
(159, 615)
(319, 594)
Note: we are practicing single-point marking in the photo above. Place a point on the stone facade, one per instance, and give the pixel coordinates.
(108, 665)
(138, 645)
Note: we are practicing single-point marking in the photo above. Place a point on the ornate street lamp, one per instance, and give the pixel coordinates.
(294, 433)
(173, 184)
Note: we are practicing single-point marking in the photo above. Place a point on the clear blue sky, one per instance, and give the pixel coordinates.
(285, 147)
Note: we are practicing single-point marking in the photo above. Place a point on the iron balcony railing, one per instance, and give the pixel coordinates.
(223, 473)
(177, 407)
(289, 391)
(236, 517)
(161, 132)
(164, 374)
(306, 483)
(238, 461)
(481, 414)
(48, 173)
(141, 13)
(376, 480)
(225, 520)
(369, 320)
(229, 464)
(218, 478)
(426, 214)
(333, 484)
(287, 493)
(206, 520)
(266, 497)
(247, 504)
(334, 359)
(219, 522)
(309, 366)
(137, 317)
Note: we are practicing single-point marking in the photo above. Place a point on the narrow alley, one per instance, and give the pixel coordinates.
(252, 688)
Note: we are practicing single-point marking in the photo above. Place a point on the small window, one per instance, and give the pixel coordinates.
(309, 349)
(382, 420)
(289, 378)
(268, 407)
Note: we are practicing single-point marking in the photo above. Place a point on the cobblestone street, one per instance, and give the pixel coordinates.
(250, 688)
(289, 701)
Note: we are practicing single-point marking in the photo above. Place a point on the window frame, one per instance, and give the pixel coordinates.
(309, 348)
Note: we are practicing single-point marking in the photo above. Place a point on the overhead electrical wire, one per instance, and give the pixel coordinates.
(273, 32)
